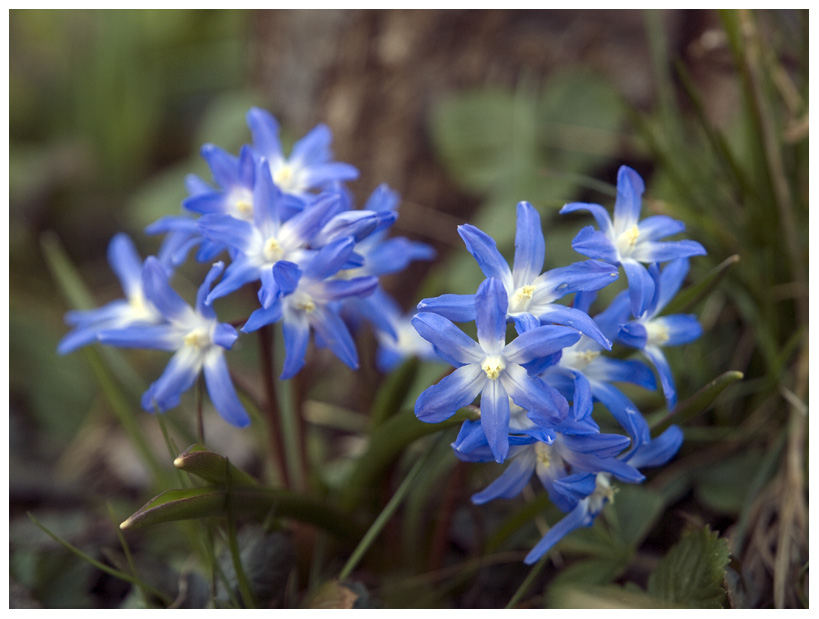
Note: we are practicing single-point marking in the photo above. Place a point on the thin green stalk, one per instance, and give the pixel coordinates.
(244, 586)
(527, 582)
(128, 556)
(275, 424)
(379, 523)
(101, 566)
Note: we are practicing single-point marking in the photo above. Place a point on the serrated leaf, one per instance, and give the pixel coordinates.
(333, 594)
(692, 574)
(211, 467)
(252, 502)
(697, 403)
(583, 596)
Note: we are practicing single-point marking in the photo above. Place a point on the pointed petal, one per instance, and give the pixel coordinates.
(177, 378)
(455, 307)
(586, 275)
(296, 330)
(126, 263)
(577, 518)
(658, 450)
(679, 328)
(601, 215)
(629, 201)
(265, 132)
(490, 318)
(655, 354)
(640, 286)
(540, 342)
(495, 418)
(335, 335)
(484, 249)
(545, 405)
(159, 292)
(574, 318)
(448, 338)
(154, 337)
(512, 480)
(530, 248)
(263, 316)
(595, 244)
(442, 400)
(221, 390)
(659, 226)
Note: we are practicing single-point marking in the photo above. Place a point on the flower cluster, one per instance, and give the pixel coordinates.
(285, 224)
(538, 389)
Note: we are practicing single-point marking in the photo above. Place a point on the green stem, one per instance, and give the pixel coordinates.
(527, 582)
(377, 526)
(274, 417)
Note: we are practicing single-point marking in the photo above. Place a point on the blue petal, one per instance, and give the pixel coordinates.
(442, 400)
(222, 392)
(322, 175)
(296, 330)
(154, 337)
(623, 410)
(265, 132)
(395, 254)
(601, 445)
(495, 418)
(224, 335)
(223, 166)
(629, 201)
(620, 370)
(640, 286)
(586, 276)
(601, 215)
(658, 450)
(239, 272)
(530, 248)
(582, 398)
(595, 244)
(448, 338)
(659, 226)
(227, 230)
(633, 334)
(159, 292)
(525, 321)
(652, 251)
(577, 518)
(177, 378)
(655, 354)
(329, 259)
(568, 491)
(512, 480)
(470, 445)
(335, 335)
(383, 198)
(545, 405)
(455, 307)
(336, 289)
(313, 147)
(681, 328)
(485, 251)
(539, 342)
(263, 316)
(126, 263)
(490, 318)
(287, 275)
(574, 318)
(202, 307)
(671, 280)
(305, 225)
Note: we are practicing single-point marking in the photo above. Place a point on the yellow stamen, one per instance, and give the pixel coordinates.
(493, 366)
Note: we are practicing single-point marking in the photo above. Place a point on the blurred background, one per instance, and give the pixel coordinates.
(464, 113)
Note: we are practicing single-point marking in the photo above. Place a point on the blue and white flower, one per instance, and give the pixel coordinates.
(630, 242)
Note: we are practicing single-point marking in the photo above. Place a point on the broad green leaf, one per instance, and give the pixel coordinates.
(594, 571)
(255, 503)
(692, 574)
(211, 467)
(697, 403)
(633, 512)
(723, 486)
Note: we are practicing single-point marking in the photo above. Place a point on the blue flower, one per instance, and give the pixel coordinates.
(309, 167)
(595, 491)
(308, 298)
(531, 293)
(134, 309)
(629, 242)
(195, 336)
(491, 368)
(651, 332)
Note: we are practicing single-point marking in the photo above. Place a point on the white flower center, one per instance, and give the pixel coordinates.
(141, 310)
(493, 366)
(521, 299)
(197, 338)
(273, 251)
(303, 302)
(603, 493)
(628, 239)
(242, 202)
(578, 359)
(543, 453)
(288, 178)
(657, 333)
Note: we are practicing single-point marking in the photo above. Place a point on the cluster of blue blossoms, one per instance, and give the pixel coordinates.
(287, 223)
(537, 391)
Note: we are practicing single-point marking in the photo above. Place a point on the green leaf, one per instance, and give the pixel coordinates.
(697, 403)
(633, 513)
(584, 596)
(252, 502)
(692, 574)
(724, 486)
(386, 444)
(211, 467)
(688, 298)
(393, 391)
